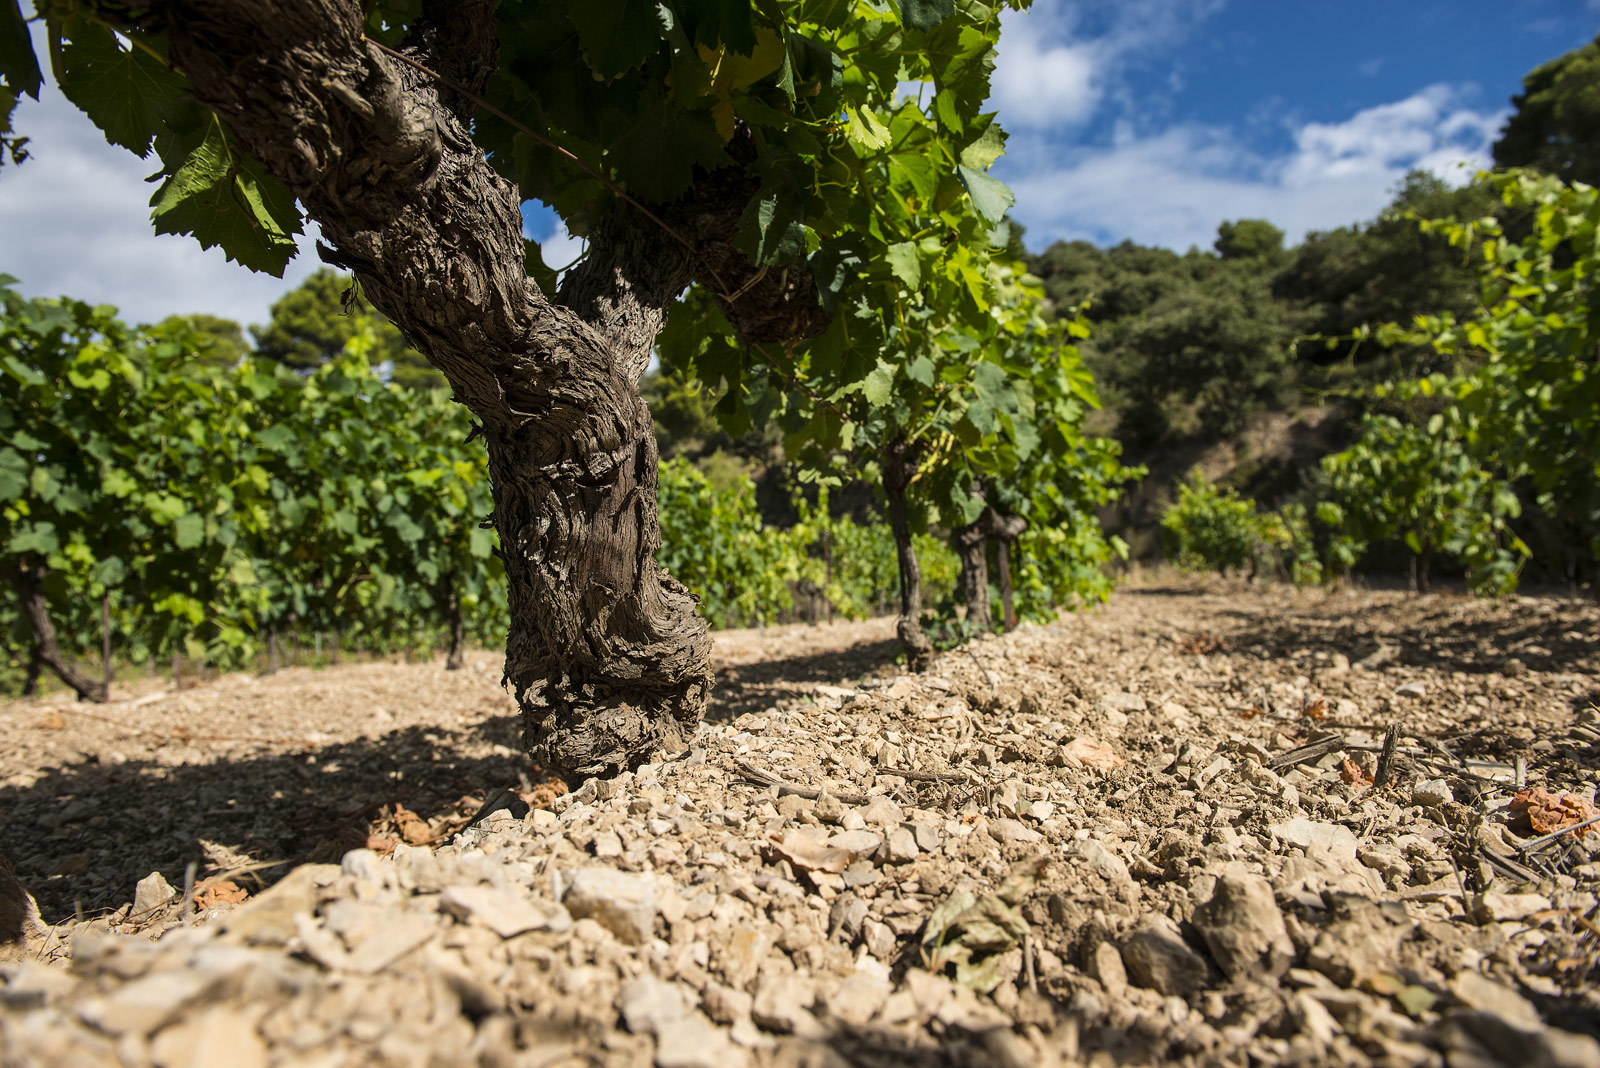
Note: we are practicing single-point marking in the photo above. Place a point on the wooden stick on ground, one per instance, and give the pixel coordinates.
(1305, 754)
(762, 778)
(1385, 769)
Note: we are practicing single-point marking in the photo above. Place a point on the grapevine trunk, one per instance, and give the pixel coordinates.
(972, 546)
(26, 579)
(898, 467)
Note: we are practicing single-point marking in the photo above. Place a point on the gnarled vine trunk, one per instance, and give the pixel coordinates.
(26, 579)
(899, 464)
(1005, 529)
(972, 547)
(606, 654)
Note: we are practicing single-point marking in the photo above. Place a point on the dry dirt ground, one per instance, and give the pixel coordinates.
(1145, 833)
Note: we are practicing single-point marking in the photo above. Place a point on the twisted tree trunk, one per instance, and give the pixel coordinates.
(1005, 529)
(972, 547)
(26, 580)
(899, 464)
(448, 603)
(607, 655)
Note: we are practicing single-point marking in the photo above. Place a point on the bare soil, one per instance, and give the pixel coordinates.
(1087, 842)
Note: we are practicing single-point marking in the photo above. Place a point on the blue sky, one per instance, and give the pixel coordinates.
(1150, 120)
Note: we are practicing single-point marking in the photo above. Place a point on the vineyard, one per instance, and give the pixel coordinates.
(159, 508)
(702, 686)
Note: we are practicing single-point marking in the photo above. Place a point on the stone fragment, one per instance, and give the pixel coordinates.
(1157, 958)
(739, 954)
(150, 895)
(1313, 1019)
(695, 1042)
(1122, 702)
(1358, 943)
(901, 846)
(648, 1004)
(856, 843)
(1243, 928)
(1431, 793)
(1105, 964)
(623, 904)
(927, 836)
(725, 1004)
(783, 1004)
(268, 918)
(1103, 862)
(149, 1003)
(1013, 833)
(1495, 907)
(881, 812)
(218, 1036)
(859, 997)
(1337, 841)
(504, 913)
(1477, 991)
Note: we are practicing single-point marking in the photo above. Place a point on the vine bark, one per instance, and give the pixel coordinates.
(606, 654)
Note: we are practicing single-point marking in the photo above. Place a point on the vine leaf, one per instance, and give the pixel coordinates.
(991, 197)
(224, 198)
(924, 15)
(657, 156)
(19, 67)
(126, 92)
(616, 35)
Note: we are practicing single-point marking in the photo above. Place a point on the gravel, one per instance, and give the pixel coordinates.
(1083, 842)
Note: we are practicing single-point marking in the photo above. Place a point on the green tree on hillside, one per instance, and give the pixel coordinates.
(312, 323)
(223, 343)
(1556, 116)
(1387, 270)
(1249, 239)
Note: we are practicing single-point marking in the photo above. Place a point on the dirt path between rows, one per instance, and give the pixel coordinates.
(1096, 841)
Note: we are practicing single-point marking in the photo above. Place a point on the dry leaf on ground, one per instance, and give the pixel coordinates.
(1092, 753)
(808, 854)
(221, 892)
(1352, 773)
(1548, 813)
(413, 828)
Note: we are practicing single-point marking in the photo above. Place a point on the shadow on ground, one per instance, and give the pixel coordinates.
(758, 686)
(1446, 633)
(86, 832)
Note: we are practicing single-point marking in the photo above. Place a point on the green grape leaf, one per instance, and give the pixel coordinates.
(924, 15)
(991, 197)
(657, 156)
(13, 474)
(126, 92)
(616, 36)
(769, 231)
(19, 67)
(480, 543)
(109, 572)
(904, 262)
(878, 386)
(224, 198)
(188, 531)
(864, 129)
(984, 149)
(38, 538)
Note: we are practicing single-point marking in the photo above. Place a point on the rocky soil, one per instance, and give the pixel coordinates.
(1142, 834)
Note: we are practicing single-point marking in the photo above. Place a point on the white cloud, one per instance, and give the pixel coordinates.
(559, 248)
(1173, 188)
(76, 220)
(1038, 85)
(1049, 74)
